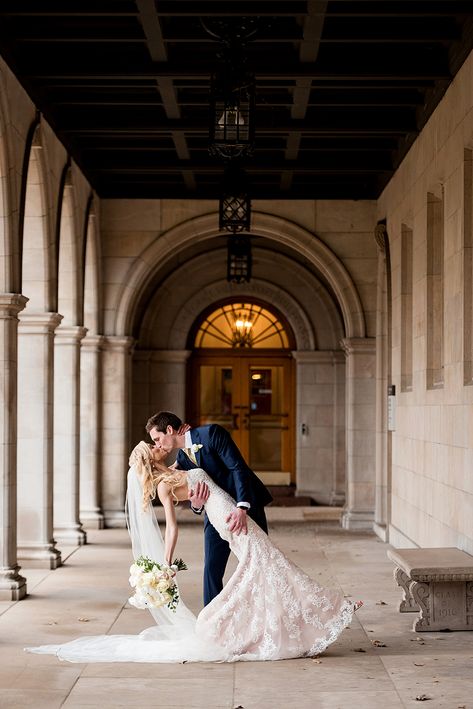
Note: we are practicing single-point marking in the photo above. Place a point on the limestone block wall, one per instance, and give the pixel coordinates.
(429, 201)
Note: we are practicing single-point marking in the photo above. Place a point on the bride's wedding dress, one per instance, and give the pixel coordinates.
(269, 609)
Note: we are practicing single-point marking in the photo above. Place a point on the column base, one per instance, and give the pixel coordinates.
(70, 537)
(357, 520)
(12, 585)
(381, 531)
(92, 519)
(39, 556)
(114, 519)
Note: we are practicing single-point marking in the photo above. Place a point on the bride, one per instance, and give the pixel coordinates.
(268, 610)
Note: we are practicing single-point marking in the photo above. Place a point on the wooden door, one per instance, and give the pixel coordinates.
(251, 395)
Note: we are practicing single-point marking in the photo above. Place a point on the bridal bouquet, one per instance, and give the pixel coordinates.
(154, 584)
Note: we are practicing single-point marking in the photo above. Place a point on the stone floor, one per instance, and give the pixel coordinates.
(87, 596)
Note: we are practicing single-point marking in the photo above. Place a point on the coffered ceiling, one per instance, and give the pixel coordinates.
(343, 88)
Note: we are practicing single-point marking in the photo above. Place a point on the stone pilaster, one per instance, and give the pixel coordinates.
(116, 403)
(35, 439)
(320, 442)
(67, 525)
(12, 584)
(360, 432)
(90, 431)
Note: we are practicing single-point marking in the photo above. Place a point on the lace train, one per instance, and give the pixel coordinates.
(269, 610)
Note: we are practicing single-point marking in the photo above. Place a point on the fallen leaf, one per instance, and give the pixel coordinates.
(381, 603)
(83, 620)
(423, 698)
(317, 662)
(358, 649)
(52, 622)
(418, 664)
(370, 631)
(378, 643)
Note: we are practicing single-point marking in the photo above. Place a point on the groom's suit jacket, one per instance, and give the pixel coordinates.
(221, 459)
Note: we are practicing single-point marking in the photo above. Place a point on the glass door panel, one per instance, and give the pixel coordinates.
(266, 419)
(216, 396)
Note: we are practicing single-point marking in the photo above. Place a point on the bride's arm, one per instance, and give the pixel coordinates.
(171, 533)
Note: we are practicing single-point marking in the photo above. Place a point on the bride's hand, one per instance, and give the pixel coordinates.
(200, 495)
(237, 522)
(183, 428)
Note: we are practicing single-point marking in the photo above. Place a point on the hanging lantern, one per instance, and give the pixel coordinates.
(232, 113)
(235, 203)
(238, 259)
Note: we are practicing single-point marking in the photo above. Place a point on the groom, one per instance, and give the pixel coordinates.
(212, 448)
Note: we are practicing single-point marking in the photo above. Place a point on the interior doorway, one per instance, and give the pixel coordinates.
(249, 390)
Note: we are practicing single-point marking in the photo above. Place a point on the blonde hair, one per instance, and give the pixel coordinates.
(152, 473)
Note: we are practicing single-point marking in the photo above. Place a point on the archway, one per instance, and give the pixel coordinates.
(67, 525)
(166, 317)
(90, 378)
(35, 364)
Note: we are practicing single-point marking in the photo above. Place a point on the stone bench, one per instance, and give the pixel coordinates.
(437, 583)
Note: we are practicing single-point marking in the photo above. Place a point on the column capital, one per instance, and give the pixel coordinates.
(92, 343)
(117, 343)
(40, 323)
(318, 356)
(69, 334)
(11, 304)
(358, 345)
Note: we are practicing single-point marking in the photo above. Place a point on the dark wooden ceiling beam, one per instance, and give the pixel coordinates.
(158, 53)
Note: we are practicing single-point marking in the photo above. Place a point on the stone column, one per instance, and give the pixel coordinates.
(67, 526)
(12, 585)
(383, 348)
(320, 443)
(90, 431)
(116, 404)
(35, 439)
(338, 492)
(360, 432)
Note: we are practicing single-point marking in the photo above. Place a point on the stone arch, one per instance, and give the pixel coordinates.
(37, 252)
(68, 277)
(274, 228)
(168, 319)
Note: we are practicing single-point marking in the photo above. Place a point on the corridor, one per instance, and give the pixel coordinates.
(378, 662)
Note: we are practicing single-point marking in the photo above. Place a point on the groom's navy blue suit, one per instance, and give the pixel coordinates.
(223, 462)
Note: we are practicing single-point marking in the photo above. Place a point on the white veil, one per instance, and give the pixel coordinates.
(147, 540)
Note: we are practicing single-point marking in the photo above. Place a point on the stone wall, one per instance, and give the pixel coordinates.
(429, 201)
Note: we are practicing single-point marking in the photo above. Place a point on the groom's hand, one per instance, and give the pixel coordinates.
(237, 522)
(199, 496)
